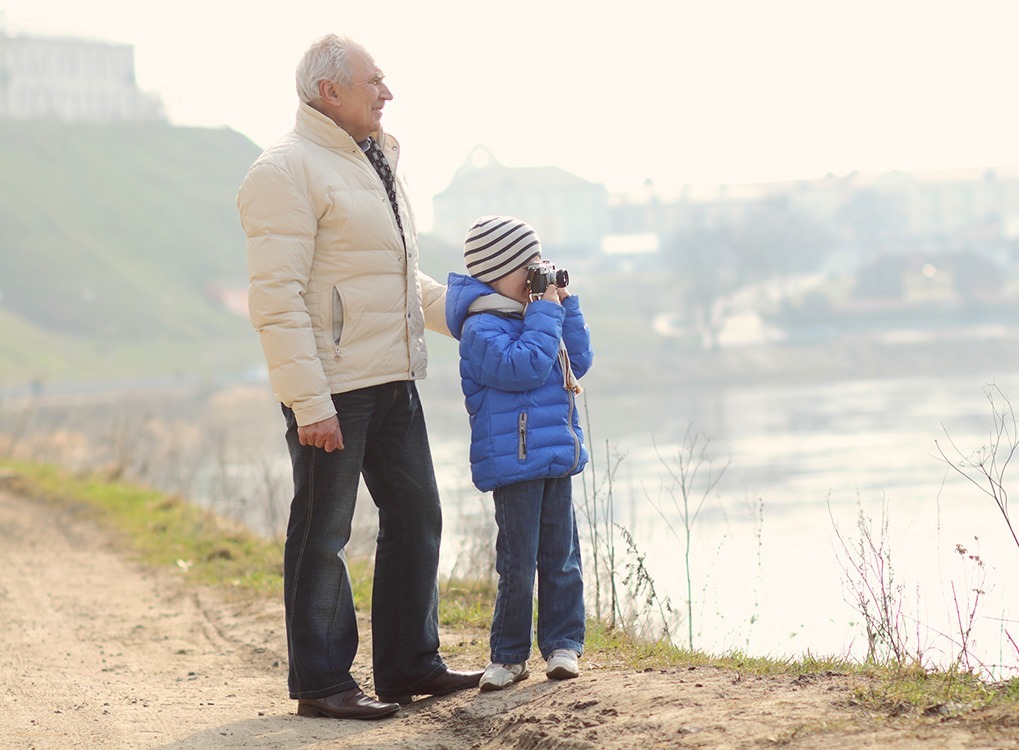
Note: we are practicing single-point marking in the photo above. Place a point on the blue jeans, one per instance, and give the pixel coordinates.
(537, 534)
(384, 440)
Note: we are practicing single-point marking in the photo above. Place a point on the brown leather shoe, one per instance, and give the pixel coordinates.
(448, 682)
(350, 704)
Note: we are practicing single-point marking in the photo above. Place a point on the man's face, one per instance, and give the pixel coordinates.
(358, 108)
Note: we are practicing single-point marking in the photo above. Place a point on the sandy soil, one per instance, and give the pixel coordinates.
(98, 652)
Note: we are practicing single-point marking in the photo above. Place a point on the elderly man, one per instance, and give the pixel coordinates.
(341, 308)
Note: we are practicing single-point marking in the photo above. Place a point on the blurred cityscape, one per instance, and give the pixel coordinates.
(816, 256)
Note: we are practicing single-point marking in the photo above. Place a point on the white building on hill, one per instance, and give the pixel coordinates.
(568, 212)
(74, 80)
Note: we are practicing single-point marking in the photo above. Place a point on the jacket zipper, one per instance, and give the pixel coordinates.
(522, 436)
(337, 320)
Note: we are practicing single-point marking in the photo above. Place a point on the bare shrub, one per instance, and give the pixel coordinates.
(985, 467)
(874, 592)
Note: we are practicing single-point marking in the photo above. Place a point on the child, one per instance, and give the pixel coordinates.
(519, 361)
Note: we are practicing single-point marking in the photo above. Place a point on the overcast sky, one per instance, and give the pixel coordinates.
(714, 91)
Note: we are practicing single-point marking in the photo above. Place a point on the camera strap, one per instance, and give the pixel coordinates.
(569, 379)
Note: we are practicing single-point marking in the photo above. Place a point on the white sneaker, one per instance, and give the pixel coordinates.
(498, 676)
(562, 665)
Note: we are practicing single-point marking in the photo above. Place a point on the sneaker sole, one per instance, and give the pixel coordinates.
(561, 673)
(488, 687)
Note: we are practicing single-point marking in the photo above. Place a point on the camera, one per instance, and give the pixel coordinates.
(543, 274)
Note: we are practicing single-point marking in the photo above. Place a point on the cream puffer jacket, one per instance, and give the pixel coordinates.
(338, 303)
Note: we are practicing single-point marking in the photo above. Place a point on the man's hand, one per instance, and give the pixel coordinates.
(325, 434)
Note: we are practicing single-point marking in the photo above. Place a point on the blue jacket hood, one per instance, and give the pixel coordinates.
(461, 292)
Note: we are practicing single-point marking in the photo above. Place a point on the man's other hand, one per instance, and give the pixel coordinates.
(325, 434)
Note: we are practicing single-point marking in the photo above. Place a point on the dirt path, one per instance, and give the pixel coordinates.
(97, 652)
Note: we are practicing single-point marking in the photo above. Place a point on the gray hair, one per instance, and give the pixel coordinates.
(327, 59)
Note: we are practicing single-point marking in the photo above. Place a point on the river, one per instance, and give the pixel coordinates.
(798, 468)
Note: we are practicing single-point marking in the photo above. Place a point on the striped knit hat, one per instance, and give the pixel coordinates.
(499, 245)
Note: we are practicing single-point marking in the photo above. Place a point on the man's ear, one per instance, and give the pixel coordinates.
(329, 92)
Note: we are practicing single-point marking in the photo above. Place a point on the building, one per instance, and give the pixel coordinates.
(570, 214)
(861, 215)
(73, 80)
(879, 211)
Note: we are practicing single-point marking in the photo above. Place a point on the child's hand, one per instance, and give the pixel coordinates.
(563, 293)
(551, 294)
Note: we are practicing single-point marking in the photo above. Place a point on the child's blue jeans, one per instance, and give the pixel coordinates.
(537, 534)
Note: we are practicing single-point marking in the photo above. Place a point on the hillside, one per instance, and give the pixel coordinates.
(115, 240)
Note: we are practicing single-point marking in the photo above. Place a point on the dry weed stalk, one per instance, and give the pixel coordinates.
(985, 467)
(648, 610)
(598, 509)
(867, 571)
(965, 627)
(693, 477)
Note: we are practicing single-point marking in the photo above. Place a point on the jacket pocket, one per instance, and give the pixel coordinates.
(522, 436)
(337, 319)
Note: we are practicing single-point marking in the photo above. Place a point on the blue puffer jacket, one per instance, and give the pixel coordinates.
(524, 421)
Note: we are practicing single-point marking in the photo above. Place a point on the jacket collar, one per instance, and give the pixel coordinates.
(319, 129)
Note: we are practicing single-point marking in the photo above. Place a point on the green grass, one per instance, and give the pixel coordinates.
(161, 530)
(905, 688)
(164, 531)
(466, 604)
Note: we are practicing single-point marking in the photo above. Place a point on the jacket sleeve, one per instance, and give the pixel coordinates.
(508, 359)
(280, 224)
(577, 337)
(433, 302)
